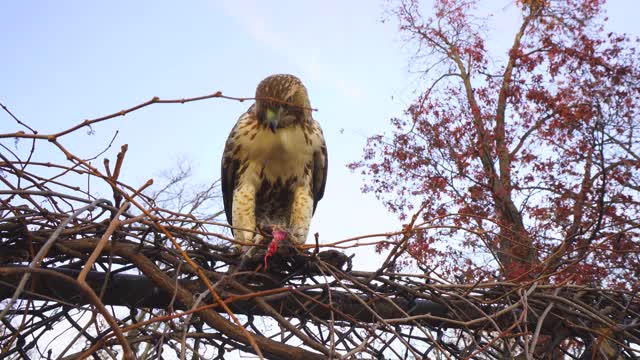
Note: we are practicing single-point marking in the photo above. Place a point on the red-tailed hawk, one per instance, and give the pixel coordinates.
(274, 165)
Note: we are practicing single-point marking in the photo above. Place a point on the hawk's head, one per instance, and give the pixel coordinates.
(282, 100)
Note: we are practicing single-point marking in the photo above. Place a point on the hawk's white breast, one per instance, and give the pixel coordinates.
(282, 154)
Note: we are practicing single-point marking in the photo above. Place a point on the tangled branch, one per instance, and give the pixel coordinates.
(127, 278)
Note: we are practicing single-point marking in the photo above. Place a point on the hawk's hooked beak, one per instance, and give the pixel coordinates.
(273, 118)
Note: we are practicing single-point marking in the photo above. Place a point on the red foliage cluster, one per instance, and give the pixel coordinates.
(526, 166)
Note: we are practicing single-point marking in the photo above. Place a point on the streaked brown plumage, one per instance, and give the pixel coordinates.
(274, 165)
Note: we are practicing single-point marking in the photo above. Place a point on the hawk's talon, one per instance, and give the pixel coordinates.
(234, 250)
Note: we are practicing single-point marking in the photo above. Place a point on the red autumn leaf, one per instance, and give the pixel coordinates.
(525, 163)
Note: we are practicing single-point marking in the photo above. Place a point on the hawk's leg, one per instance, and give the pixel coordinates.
(244, 215)
(301, 213)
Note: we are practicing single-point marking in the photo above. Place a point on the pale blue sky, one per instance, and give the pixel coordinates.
(64, 61)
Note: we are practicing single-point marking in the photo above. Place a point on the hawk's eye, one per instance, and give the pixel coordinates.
(287, 104)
